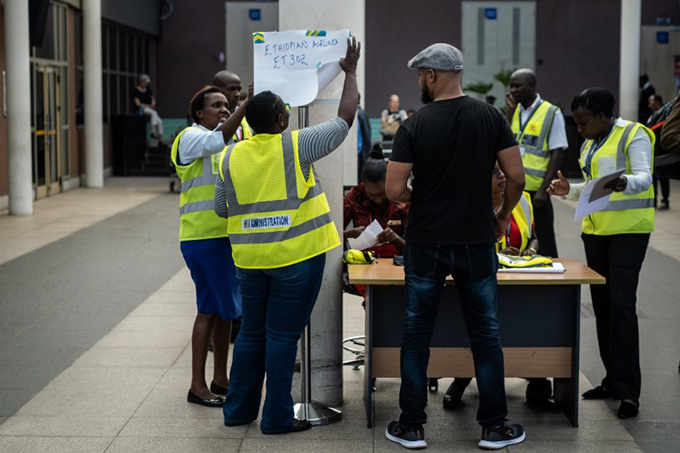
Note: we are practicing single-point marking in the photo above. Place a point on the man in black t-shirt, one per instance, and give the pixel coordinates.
(451, 146)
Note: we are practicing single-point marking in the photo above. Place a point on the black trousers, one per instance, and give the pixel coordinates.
(665, 188)
(545, 232)
(619, 259)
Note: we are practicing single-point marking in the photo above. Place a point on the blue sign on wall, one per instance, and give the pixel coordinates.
(491, 13)
(662, 37)
(255, 14)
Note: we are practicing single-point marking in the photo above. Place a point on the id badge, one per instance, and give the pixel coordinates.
(521, 150)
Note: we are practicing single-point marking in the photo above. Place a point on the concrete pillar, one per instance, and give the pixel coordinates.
(327, 316)
(17, 50)
(629, 76)
(92, 58)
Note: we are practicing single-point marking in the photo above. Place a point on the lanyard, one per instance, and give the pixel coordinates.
(590, 154)
(389, 216)
(522, 126)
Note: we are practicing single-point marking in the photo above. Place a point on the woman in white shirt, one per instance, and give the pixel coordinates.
(204, 238)
(616, 238)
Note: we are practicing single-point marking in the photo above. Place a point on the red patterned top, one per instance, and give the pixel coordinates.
(359, 209)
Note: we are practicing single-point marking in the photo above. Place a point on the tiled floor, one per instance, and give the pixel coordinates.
(128, 392)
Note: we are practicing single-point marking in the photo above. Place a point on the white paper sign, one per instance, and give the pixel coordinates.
(297, 64)
(368, 238)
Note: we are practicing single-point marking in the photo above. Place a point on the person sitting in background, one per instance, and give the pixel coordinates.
(145, 104)
(519, 239)
(391, 118)
(368, 202)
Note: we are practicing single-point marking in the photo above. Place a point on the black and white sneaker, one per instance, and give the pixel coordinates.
(501, 436)
(412, 438)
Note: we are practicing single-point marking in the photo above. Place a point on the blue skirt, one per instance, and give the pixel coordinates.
(214, 274)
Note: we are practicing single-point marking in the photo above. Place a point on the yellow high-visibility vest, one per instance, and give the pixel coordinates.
(246, 131)
(276, 216)
(624, 213)
(523, 213)
(533, 139)
(196, 201)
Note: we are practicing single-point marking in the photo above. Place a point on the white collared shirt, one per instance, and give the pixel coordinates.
(640, 158)
(199, 141)
(557, 138)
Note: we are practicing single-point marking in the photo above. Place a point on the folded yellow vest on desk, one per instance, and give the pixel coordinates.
(508, 261)
(353, 256)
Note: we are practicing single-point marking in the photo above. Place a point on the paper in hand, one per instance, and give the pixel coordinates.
(368, 238)
(595, 197)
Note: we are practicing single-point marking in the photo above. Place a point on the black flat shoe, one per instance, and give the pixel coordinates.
(598, 393)
(218, 390)
(628, 409)
(210, 402)
(296, 427)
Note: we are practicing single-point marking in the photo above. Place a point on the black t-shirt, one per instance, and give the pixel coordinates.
(452, 145)
(145, 97)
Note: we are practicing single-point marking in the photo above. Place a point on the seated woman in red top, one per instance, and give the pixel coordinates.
(368, 202)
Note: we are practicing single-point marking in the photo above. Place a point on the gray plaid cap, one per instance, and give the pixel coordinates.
(440, 56)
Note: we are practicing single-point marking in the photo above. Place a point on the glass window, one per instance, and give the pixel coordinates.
(106, 90)
(122, 51)
(131, 48)
(78, 34)
(48, 44)
(113, 48)
(141, 45)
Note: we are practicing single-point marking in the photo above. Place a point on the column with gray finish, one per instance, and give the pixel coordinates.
(94, 129)
(18, 107)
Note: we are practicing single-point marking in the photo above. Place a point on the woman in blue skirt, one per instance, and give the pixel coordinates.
(204, 240)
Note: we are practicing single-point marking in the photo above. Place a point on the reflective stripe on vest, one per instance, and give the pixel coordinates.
(265, 232)
(536, 155)
(197, 216)
(624, 214)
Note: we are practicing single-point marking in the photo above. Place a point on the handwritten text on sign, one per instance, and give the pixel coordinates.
(297, 65)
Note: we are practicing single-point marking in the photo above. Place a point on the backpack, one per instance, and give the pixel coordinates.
(666, 164)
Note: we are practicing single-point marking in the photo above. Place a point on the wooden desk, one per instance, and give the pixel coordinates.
(539, 317)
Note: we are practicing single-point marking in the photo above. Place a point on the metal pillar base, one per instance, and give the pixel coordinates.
(317, 413)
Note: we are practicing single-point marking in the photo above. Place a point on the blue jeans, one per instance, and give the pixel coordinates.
(277, 304)
(474, 270)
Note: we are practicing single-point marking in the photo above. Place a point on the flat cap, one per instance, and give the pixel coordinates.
(440, 56)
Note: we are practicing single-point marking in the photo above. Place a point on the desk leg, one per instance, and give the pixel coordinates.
(369, 404)
(566, 390)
